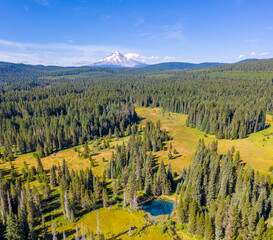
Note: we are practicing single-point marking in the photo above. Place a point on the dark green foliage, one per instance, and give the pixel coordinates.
(13, 230)
(72, 106)
(235, 199)
(44, 110)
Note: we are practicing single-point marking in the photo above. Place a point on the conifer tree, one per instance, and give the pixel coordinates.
(83, 234)
(135, 201)
(66, 206)
(64, 235)
(53, 176)
(3, 208)
(233, 223)
(9, 202)
(86, 150)
(124, 197)
(13, 230)
(45, 230)
(260, 229)
(98, 224)
(54, 236)
(130, 229)
(77, 233)
(105, 198)
(200, 223)
(209, 233)
(40, 167)
(192, 217)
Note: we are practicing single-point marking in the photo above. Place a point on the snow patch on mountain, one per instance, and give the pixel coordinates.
(118, 60)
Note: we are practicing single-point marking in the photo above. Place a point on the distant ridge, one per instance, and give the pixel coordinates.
(117, 60)
(248, 59)
(184, 65)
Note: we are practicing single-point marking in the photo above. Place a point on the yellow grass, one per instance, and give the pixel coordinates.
(256, 150)
(150, 233)
(113, 221)
(71, 157)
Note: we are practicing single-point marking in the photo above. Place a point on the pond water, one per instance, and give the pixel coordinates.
(158, 207)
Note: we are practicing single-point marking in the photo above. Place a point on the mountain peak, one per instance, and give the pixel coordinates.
(116, 59)
(116, 53)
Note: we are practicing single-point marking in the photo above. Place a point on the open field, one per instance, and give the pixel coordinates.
(256, 150)
(71, 157)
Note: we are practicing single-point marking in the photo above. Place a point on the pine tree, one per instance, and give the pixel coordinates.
(105, 198)
(64, 235)
(98, 224)
(77, 233)
(66, 206)
(170, 174)
(83, 234)
(252, 221)
(86, 150)
(219, 218)
(124, 197)
(9, 202)
(31, 234)
(54, 236)
(3, 208)
(53, 176)
(97, 188)
(130, 229)
(200, 223)
(233, 223)
(40, 167)
(13, 229)
(260, 229)
(192, 217)
(135, 201)
(45, 231)
(86, 200)
(209, 235)
(148, 175)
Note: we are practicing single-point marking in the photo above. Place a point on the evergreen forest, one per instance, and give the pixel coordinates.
(45, 110)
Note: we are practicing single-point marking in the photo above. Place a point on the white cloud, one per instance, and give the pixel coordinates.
(254, 54)
(61, 54)
(141, 58)
(154, 58)
(169, 58)
(242, 56)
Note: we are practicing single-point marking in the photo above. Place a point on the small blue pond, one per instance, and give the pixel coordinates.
(158, 207)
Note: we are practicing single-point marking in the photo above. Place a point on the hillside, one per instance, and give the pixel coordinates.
(83, 146)
(183, 65)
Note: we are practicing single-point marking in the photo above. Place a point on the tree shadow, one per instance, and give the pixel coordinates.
(177, 156)
(67, 233)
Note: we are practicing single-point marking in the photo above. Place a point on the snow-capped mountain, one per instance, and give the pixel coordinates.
(117, 60)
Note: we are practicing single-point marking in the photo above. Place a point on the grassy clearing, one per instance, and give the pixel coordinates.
(150, 233)
(71, 157)
(256, 150)
(113, 221)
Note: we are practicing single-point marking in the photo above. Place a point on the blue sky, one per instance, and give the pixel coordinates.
(66, 32)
